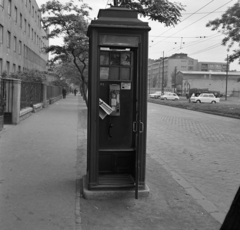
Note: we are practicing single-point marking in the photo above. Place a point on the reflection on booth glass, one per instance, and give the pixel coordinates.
(115, 65)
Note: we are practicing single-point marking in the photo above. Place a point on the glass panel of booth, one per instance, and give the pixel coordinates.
(116, 65)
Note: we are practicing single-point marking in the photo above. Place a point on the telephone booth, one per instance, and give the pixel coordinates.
(117, 102)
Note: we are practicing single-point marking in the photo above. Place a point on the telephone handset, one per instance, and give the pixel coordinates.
(114, 99)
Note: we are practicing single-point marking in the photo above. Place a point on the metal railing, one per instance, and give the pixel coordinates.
(31, 93)
(53, 91)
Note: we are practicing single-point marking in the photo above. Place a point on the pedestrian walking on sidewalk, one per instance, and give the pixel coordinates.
(64, 92)
(75, 92)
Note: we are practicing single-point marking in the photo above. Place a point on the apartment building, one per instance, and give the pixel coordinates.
(21, 36)
(168, 67)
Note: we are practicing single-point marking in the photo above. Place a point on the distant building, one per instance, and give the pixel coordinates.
(213, 81)
(212, 66)
(21, 36)
(177, 62)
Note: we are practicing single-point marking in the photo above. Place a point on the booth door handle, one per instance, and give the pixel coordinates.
(109, 130)
(141, 127)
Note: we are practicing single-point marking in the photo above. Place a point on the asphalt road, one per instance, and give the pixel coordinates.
(202, 149)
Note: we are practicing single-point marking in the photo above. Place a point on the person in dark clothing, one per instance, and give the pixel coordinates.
(64, 92)
(75, 92)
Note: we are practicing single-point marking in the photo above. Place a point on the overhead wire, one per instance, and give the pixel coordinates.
(206, 49)
(187, 17)
(200, 40)
(195, 42)
(193, 22)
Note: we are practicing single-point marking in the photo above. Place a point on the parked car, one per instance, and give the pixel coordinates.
(204, 98)
(157, 94)
(170, 96)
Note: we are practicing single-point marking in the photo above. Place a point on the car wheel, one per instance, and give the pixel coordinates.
(213, 102)
(198, 101)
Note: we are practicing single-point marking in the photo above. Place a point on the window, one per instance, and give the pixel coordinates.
(19, 68)
(25, 25)
(35, 38)
(14, 44)
(8, 67)
(9, 7)
(20, 23)
(15, 14)
(190, 67)
(8, 39)
(20, 48)
(28, 30)
(115, 66)
(1, 4)
(32, 11)
(14, 68)
(32, 34)
(190, 62)
(30, 6)
(1, 34)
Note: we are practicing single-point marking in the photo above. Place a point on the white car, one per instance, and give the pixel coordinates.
(205, 98)
(170, 96)
(157, 94)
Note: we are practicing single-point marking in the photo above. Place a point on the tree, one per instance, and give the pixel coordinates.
(229, 25)
(70, 22)
(162, 11)
(68, 71)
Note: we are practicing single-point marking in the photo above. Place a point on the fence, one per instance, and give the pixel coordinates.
(53, 91)
(31, 93)
(6, 100)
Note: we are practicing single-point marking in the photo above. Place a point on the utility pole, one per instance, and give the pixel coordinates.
(163, 74)
(175, 79)
(226, 80)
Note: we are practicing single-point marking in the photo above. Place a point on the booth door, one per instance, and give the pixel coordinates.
(116, 89)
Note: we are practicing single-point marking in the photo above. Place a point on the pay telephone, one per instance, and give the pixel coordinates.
(114, 99)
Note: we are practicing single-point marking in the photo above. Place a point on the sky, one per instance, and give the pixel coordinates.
(190, 35)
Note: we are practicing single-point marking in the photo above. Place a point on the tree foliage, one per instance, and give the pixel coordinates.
(162, 11)
(71, 22)
(229, 25)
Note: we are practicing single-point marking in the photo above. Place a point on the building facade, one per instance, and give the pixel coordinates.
(164, 70)
(21, 37)
(212, 66)
(213, 81)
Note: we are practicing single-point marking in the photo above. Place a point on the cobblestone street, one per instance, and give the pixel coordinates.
(202, 149)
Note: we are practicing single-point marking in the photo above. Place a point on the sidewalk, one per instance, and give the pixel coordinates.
(40, 182)
(37, 170)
